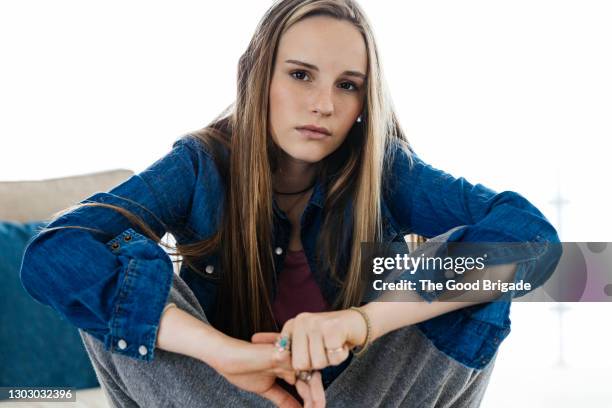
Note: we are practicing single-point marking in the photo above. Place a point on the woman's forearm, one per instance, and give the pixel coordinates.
(180, 332)
(410, 308)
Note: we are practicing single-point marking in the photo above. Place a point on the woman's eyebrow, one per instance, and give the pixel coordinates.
(315, 68)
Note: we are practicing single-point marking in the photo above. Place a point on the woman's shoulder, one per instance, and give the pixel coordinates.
(400, 159)
(203, 153)
(198, 144)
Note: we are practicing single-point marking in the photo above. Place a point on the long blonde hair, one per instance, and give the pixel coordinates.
(353, 174)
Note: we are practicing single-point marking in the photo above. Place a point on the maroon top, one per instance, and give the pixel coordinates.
(297, 290)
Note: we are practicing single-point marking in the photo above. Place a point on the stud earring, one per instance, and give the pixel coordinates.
(359, 119)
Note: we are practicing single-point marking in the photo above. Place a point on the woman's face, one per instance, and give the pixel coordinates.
(318, 79)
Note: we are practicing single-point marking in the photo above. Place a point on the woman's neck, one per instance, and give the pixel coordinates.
(293, 175)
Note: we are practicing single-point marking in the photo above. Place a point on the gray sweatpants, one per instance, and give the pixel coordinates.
(400, 369)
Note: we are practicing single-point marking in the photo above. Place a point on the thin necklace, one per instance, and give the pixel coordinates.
(296, 192)
(289, 210)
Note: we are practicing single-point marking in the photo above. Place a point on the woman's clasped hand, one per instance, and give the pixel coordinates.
(306, 344)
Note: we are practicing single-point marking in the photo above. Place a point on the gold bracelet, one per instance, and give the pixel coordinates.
(366, 343)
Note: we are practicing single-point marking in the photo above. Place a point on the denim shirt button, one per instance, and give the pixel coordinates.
(127, 238)
(122, 344)
(115, 245)
(142, 350)
(210, 269)
(278, 250)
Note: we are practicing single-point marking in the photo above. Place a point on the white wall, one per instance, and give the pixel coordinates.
(514, 95)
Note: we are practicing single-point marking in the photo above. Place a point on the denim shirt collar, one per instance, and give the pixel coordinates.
(390, 226)
(318, 195)
(317, 199)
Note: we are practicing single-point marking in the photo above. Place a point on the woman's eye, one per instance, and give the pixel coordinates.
(350, 84)
(299, 75)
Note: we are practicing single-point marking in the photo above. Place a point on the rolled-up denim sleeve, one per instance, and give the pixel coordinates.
(433, 203)
(106, 277)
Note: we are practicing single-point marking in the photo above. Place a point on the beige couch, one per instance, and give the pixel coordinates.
(24, 201)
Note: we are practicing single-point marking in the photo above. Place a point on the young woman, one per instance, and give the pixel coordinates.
(269, 204)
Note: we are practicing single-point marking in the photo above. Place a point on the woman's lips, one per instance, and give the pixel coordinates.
(311, 134)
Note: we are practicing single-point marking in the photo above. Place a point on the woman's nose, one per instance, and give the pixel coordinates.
(323, 102)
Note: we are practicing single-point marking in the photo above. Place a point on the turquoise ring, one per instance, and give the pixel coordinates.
(283, 343)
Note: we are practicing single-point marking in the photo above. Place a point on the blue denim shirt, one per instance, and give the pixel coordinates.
(115, 285)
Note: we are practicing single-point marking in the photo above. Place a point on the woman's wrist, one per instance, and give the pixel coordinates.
(213, 347)
(362, 345)
(357, 328)
(180, 332)
(376, 329)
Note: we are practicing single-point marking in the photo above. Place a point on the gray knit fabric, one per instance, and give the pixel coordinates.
(400, 369)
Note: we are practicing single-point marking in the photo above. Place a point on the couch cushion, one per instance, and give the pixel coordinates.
(37, 347)
(39, 200)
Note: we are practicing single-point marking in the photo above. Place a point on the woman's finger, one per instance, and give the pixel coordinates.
(287, 329)
(317, 392)
(250, 357)
(300, 355)
(336, 348)
(304, 390)
(336, 355)
(264, 337)
(280, 397)
(288, 375)
(263, 357)
(281, 359)
(316, 348)
(282, 366)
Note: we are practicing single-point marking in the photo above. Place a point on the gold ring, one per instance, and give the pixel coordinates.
(304, 375)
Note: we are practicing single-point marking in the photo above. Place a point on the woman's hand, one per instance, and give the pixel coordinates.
(255, 367)
(312, 392)
(319, 340)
